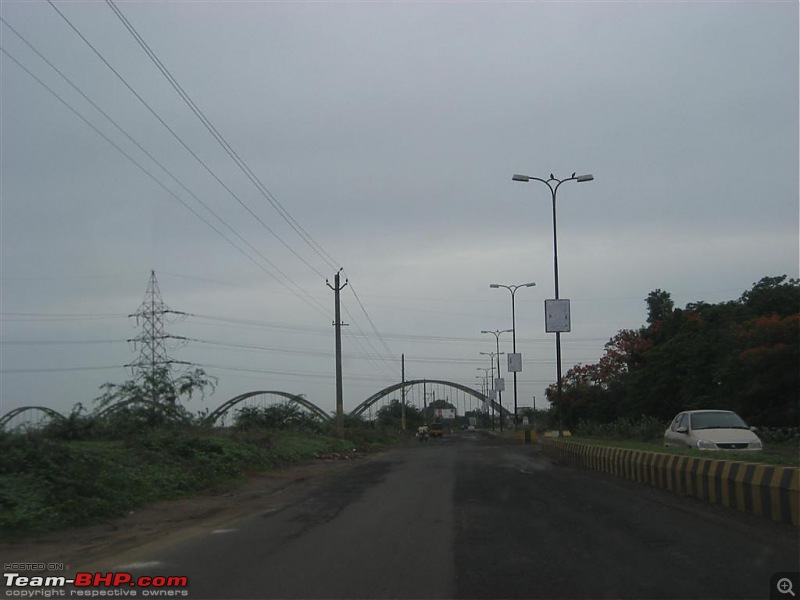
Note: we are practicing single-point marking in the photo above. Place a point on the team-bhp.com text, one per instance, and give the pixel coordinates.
(95, 585)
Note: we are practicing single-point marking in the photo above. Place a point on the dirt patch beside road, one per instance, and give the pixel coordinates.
(164, 523)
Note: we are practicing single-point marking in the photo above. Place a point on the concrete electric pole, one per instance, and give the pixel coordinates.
(338, 325)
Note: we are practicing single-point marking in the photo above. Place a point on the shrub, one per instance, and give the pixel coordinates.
(645, 429)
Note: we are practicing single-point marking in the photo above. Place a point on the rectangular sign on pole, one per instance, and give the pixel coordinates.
(515, 363)
(556, 316)
(500, 384)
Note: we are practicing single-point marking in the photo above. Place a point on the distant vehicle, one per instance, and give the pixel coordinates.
(471, 428)
(436, 430)
(711, 430)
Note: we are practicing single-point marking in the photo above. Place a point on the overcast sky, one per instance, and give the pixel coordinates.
(389, 132)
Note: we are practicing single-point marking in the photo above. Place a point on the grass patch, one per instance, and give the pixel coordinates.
(786, 454)
(48, 484)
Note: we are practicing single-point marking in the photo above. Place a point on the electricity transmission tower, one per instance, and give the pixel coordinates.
(153, 357)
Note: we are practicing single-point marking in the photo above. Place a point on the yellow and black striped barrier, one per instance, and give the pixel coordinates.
(771, 491)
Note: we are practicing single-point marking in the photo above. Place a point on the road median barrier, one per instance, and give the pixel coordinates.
(771, 491)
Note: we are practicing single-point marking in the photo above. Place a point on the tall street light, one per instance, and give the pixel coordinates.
(553, 184)
(513, 289)
(485, 384)
(496, 333)
(491, 356)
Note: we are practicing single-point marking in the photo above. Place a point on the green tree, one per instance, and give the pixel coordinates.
(156, 398)
(390, 416)
(762, 375)
(659, 306)
(284, 415)
(773, 296)
(740, 355)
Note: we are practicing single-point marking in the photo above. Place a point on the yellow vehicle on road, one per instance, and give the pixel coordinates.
(436, 430)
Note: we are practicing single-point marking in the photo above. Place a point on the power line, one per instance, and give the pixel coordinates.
(177, 137)
(372, 324)
(208, 125)
(56, 342)
(309, 300)
(161, 166)
(25, 317)
(304, 235)
(59, 369)
(236, 158)
(302, 374)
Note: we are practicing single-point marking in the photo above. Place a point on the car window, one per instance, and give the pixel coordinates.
(717, 420)
(679, 421)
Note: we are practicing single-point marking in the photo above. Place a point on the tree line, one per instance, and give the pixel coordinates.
(741, 355)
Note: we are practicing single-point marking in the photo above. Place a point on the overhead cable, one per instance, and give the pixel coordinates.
(179, 139)
(304, 235)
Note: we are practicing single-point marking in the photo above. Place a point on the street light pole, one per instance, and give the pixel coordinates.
(491, 356)
(513, 289)
(553, 184)
(496, 333)
(485, 385)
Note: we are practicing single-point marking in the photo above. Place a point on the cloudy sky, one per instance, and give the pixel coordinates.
(380, 137)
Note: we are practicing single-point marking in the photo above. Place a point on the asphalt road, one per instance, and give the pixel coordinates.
(468, 517)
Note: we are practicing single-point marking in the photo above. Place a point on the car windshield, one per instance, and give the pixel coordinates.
(717, 420)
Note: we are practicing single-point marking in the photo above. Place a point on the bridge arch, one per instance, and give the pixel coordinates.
(225, 407)
(377, 396)
(6, 418)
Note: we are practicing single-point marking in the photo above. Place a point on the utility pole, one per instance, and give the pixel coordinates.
(425, 399)
(338, 325)
(403, 393)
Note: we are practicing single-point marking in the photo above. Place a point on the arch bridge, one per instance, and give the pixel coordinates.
(468, 391)
(223, 409)
(226, 407)
(45, 413)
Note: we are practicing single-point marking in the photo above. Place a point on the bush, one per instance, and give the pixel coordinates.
(644, 429)
(285, 415)
(778, 435)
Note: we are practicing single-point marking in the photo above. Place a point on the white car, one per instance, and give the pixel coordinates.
(711, 430)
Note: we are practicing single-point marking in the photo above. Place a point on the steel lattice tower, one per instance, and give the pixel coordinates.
(152, 350)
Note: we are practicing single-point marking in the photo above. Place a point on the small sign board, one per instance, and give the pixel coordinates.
(556, 316)
(499, 384)
(515, 363)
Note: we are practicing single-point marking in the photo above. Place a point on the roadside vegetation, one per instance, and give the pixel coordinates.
(739, 355)
(781, 447)
(94, 466)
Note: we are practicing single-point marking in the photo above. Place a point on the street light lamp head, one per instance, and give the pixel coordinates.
(520, 178)
(582, 178)
(531, 284)
(494, 285)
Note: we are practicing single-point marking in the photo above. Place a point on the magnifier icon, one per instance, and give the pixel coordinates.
(784, 586)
